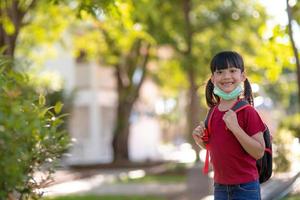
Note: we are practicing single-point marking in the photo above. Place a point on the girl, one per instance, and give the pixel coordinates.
(236, 139)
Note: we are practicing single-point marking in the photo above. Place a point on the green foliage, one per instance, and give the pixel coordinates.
(175, 173)
(282, 156)
(171, 68)
(47, 26)
(284, 92)
(157, 178)
(296, 11)
(94, 7)
(292, 123)
(30, 139)
(216, 26)
(289, 128)
(113, 34)
(107, 197)
(292, 197)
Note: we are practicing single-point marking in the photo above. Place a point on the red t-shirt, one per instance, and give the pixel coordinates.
(231, 163)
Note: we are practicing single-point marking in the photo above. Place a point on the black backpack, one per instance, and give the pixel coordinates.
(264, 164)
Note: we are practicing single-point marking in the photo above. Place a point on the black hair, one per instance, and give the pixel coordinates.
(225, 60)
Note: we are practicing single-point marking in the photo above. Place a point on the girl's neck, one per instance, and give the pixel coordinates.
(225, 105)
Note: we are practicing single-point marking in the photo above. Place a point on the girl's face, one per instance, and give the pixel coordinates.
(228, 79)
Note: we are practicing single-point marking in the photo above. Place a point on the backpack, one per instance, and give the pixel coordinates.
(264, 164)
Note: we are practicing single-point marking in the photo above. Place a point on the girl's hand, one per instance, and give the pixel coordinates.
(231, 120)
(198, 134)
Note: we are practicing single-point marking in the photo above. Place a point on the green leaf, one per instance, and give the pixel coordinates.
(58, 106)
(44, 111)
(8, 26)
(42, 100)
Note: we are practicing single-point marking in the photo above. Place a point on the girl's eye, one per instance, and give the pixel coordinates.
(219, 72)
(233, 70)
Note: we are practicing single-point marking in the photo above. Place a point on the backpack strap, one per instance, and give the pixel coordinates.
(208, 117)
(238, 106)
(206, 136)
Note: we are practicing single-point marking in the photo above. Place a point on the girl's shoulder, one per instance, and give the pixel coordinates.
(250, 112)
(250, 108)
(244, 107)
(243, 104)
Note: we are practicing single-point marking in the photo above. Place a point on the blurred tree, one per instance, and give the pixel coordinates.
(283, 141)
(296, 11)
(12, 13)
(16, 14)
(292, 124)
(122, 32)
(118, 40)
(295, 50)
(202, 29)
(32, 136)
(281, 83)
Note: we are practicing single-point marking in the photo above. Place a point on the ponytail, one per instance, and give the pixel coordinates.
(248, 92)
(211, 98)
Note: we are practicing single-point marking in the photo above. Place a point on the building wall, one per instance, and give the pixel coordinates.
(92, 117)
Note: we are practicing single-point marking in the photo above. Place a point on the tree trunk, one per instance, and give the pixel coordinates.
(15, 14)
(128, 93)
(8, 40)
(121, 133)
(193, 107)
(295, 50)
(7, 43)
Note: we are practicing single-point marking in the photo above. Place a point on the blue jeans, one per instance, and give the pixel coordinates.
(245, 191)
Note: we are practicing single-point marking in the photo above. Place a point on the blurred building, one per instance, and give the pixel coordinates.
(92, 116)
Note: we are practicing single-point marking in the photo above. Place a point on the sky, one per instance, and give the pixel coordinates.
(277, 9)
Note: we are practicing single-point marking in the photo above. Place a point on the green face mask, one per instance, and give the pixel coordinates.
(228, 96)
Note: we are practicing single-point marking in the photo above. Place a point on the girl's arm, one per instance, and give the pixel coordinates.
(254, 145)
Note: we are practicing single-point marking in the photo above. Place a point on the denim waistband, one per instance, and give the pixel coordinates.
(234, 185)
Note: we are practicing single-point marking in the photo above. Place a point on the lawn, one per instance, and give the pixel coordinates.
(93, 197)
(175, 174)
(293, 197)
(157, 178)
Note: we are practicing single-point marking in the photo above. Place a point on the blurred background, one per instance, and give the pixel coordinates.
(130, 80)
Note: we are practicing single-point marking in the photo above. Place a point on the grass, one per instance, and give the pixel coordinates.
(292, 197)
(175, 174)
(106, 197)
(157, 179)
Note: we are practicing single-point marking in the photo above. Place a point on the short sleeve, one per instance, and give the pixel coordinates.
(253, 122)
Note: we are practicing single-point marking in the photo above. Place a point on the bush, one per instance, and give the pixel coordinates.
(282, 158)
(30, 138)
(292, 123)
(289, 128)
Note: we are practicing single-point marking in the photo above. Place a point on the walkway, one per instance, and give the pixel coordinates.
(198, 186)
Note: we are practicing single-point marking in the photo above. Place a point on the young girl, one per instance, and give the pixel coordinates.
(236, 139)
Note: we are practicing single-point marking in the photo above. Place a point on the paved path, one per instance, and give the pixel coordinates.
(279, 186)
(103, 182)
(197, 187)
